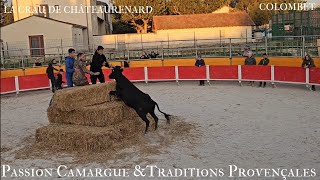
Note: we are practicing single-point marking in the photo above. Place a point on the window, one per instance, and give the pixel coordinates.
(43, 10)
(56, 8)
(36, 45)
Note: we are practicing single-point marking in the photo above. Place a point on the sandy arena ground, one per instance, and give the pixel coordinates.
(246, 126)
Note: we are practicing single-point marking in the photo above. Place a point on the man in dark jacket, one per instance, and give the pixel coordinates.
(264, 62)
(199, 63)
(50, 75)
(308, 63)
(250, 61)
(98, 61)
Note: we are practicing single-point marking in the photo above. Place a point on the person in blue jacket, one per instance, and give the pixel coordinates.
(69, 66)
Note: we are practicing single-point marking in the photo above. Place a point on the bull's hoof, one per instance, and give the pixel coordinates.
(112, 93)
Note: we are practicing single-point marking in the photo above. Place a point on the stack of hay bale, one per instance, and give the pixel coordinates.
(85, 118)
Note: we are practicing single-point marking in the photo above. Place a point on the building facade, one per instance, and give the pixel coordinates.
(47, 24)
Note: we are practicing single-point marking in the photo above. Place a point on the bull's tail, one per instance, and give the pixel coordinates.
(167, 116)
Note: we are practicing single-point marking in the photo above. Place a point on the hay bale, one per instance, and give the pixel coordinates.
(88, 138)
(70, 99)
(97, 115)
(101, 115)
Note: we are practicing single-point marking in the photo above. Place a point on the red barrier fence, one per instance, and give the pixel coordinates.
(191, 72)
(223, 72)
(8, 85)
(161, 73)
(256, 73)
(289, 74)
(235, 73)
(31, 82)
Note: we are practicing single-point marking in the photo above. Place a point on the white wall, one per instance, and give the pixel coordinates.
(88, 20)
(203, 36)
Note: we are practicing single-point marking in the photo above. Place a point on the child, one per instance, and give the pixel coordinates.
(50, 75)
(264, 62)
(59, 80)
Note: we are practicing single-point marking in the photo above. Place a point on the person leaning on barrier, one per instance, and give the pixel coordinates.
(98, 61)
(79, 77)
(308, 63)
(199, 63)
(250, 61)
(264, 62)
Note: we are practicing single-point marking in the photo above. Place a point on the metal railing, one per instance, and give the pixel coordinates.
(280, 46)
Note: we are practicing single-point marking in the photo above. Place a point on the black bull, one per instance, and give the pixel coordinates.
(134, 98)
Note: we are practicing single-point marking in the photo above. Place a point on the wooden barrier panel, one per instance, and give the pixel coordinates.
(256, 72)
(134, 74)
(224, 72)
(7, 85)
(11, 73)
(33, 82)
(281, 74)
(314, 75)
(161, 73)
(290, 74)
(106, 73)
(192, 72)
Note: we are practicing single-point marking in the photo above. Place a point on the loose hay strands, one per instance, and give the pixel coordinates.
(99, 144)
(70, 99)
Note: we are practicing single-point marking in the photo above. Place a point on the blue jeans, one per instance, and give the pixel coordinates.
(69, 79)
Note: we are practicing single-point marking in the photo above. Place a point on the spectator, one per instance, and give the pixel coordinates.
(250, 61)
(59, 80)
(69, 66)
(247, 51)
(53, 61)
(144, 56)
(37, 62)
(153, 54)
(79, 77)
(98, 61)
(264, 62)
(50, 75)
(308, 63)
(199, 63)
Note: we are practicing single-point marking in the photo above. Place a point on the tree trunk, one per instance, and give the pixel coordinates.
(141, 28)
(145, 25)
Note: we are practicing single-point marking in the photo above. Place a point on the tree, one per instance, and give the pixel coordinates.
(6, 18)
(141, 21)
(178, 7)
(259, 16)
